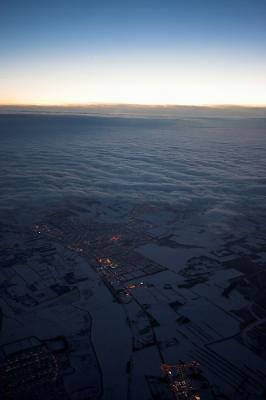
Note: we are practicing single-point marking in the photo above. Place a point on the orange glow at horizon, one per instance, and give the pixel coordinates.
(150, 82)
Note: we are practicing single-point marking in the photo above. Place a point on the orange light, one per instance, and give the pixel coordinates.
(106, 261)
(115, 238)
(131, 286)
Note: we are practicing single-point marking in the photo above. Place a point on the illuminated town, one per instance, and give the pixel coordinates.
(160, 301)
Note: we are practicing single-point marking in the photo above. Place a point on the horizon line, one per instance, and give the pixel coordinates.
(101, 104)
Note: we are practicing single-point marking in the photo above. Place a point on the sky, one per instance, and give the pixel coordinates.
(192, 52)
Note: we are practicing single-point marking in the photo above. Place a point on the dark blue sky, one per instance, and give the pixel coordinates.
(94, 39)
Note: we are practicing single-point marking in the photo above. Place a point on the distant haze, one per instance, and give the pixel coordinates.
(140, 111)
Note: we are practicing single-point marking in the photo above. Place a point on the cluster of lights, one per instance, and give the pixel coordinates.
(105, 261)
(115, 238)
(181, 385)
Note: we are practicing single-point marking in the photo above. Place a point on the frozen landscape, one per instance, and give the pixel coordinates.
(132, 239)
